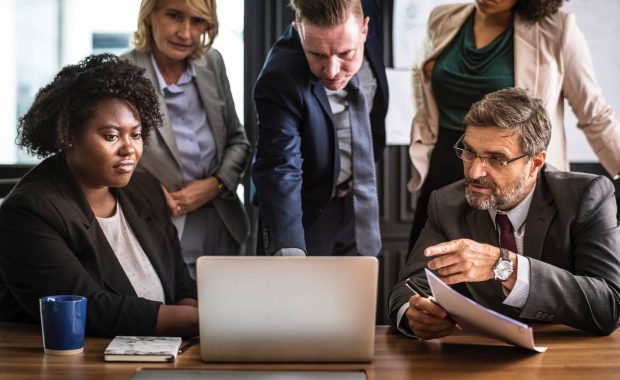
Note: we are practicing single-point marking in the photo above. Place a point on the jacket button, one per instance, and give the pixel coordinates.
(539, 315)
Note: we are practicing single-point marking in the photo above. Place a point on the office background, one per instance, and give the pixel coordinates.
(41, 36)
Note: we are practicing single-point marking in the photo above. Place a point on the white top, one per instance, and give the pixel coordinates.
(131, 256)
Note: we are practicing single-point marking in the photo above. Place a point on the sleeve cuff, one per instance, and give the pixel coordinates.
(290, 252)
(519, 293)
(399, 319)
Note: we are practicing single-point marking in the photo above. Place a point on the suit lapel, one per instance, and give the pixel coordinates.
(212, 103)
(318, 91)
(526, 56)
(166, 132)
(321, 96)
(538, 220)
(450, 28)
(62, 177)
(110, 270)
(482, 227)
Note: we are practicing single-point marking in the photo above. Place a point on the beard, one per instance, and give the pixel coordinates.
(500, 199)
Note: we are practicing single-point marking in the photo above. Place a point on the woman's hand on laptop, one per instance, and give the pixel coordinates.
(426, 319)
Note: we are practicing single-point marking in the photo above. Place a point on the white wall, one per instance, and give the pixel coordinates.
(599, 20)
(8, 80)
(35, 46)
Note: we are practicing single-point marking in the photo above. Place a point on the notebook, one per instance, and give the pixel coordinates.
(142, 349)
(287, 309)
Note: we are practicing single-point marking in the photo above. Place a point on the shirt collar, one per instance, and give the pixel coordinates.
(518, 214)
(186, 77)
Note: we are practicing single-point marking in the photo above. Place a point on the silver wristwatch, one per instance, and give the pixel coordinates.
(503, 267)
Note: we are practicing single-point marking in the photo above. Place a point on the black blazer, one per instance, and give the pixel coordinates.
(297, 158)
(51, 243)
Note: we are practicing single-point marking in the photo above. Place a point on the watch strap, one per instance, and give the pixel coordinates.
(504, 254)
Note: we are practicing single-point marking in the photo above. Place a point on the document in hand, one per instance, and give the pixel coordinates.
(142, 349)
(477, 319)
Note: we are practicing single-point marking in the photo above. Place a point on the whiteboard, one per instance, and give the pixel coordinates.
(599, 20)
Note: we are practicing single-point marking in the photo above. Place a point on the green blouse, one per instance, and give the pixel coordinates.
(463, 74)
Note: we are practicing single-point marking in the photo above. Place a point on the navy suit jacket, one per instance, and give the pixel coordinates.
(297, 160)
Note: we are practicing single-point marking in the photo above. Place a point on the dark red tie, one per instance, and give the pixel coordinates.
(506, 233)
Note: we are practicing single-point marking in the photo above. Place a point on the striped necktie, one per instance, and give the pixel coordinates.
(365, 204)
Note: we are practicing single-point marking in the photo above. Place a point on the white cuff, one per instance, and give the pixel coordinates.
(517, 297)
(290, 252)
(399, 317)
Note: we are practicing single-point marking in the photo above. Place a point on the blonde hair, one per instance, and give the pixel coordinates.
(205, 9)
(326, 12)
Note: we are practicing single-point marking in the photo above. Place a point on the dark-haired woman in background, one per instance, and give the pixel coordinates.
(475, 49)
(82, 222)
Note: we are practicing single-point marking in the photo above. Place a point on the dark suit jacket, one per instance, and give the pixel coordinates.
(297, 160)
(52, 243)
(572, 241)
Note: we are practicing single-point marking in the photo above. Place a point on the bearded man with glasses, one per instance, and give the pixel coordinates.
(516, 235)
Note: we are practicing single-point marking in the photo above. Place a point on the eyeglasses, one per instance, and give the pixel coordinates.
(492, 162)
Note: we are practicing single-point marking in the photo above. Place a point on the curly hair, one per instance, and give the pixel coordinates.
(63, 106)
(536, 10)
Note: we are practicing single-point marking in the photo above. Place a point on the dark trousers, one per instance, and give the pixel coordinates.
(445, 168)
(206, 234)
(331, 234)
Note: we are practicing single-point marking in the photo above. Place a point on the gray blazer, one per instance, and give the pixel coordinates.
(572, 240)
(161, 157)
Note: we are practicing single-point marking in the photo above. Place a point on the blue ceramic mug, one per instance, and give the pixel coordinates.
(63, 321)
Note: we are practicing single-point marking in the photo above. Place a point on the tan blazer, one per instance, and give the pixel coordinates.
(161, 156)
(551, 59)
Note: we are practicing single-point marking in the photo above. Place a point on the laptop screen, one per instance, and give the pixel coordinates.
(287, 309)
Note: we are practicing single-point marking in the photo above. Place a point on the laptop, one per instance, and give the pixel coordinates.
(287, 309)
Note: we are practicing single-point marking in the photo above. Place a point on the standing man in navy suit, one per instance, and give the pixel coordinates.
(315, 191)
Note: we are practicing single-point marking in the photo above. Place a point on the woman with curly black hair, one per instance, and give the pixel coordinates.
(477, 48)
(82, 222)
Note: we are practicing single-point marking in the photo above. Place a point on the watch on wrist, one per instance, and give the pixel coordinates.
(503, 267)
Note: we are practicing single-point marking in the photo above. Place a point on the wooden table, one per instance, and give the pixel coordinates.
(571, 355)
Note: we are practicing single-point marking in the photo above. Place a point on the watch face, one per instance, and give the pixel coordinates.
(503, 270)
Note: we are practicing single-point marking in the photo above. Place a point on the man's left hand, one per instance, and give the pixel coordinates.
(463, 260)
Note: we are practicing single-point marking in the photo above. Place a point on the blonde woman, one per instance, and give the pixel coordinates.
(201, 152)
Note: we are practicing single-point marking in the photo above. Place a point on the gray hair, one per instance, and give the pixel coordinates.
(516, 110)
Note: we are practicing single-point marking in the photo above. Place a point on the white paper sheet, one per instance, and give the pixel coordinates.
(477, 319)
